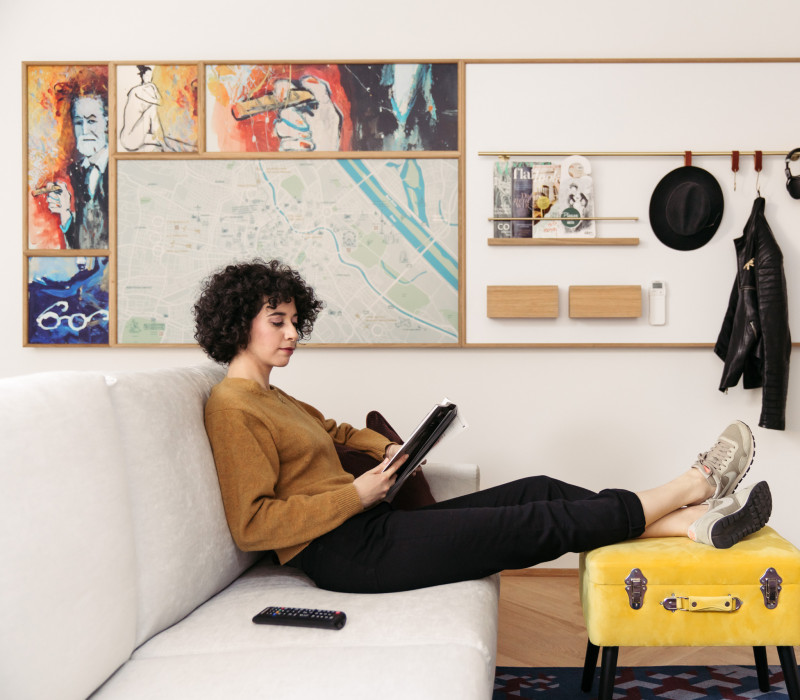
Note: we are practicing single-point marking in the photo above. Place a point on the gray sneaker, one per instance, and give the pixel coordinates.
(725, 464)
(732, 518)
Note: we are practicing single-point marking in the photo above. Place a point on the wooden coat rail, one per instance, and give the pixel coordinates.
(600, 154)
(564, 218)
(687, 159)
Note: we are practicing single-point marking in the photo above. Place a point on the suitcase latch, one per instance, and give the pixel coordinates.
(771, 587)
(636, 585)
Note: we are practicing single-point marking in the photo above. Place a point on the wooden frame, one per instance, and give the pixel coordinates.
(135, 94)
(585, 333)
(118, 80)
(49, 92)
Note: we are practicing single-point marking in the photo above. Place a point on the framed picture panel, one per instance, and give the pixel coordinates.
(141, 178)
(630, 132)
(67, 187)
(377, 239)
(67, 301)
(332, 107)
(157, 108)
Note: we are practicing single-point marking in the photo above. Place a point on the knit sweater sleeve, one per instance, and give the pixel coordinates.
(362, 439)
(264, 511)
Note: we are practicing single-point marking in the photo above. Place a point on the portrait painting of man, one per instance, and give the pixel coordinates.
(68, 157)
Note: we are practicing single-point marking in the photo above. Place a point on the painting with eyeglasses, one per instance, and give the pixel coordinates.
(68, 300)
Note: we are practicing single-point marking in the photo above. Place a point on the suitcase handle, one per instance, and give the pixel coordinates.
(687, 603)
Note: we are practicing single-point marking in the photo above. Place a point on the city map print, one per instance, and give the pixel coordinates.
(377, 238)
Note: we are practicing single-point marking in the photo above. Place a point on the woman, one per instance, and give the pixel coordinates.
(141, 126)
(284, 489)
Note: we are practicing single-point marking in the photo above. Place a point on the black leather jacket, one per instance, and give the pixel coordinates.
(754, 340)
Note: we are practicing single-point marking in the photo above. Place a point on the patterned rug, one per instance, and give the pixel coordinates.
(655, 683)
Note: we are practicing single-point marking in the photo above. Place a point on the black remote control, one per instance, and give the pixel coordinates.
(301, 617)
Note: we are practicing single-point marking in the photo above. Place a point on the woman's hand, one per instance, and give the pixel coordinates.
(372, 486)
(391, 450)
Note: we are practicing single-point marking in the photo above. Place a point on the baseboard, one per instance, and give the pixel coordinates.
(541, 572)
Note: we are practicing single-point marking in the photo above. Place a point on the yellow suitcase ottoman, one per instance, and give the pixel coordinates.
(674, 592)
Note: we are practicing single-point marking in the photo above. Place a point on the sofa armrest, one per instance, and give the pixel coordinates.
(448, 480)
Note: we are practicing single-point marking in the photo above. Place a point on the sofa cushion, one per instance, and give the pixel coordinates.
(67, 578)
(446, 635)
(184, 549)
(452, 479)
(426, 616)
(357, 673)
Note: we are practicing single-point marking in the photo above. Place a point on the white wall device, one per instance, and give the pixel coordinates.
(658, 303)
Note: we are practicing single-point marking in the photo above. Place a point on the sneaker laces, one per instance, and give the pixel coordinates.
(716, 457)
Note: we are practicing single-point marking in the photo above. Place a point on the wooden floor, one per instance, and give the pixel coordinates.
(541, 624)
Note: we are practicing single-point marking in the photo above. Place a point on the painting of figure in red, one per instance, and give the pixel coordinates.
(332, 107)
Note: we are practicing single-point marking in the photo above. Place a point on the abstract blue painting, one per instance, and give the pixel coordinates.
(68, 300)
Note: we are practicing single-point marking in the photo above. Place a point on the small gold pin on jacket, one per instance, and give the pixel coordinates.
(750, 263)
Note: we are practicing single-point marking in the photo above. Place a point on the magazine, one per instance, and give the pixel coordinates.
(441, 419)
(545, 182)
(577, 197)
(521, 195)
(502, 199)
(534, 188)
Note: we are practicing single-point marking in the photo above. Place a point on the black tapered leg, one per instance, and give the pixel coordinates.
(608, 671)
(760, 655)
(589, 666)
(790, 673)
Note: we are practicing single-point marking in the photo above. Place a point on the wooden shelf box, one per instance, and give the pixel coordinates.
(605, 301)
(522, 301)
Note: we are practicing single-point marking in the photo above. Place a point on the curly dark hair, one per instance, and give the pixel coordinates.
(232, 297)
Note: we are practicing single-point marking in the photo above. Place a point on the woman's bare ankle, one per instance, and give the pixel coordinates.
(675, 524)
(701, 490)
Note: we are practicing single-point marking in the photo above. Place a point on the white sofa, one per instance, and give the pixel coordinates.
(119, 578)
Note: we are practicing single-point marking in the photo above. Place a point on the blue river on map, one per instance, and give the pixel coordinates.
(439, 258)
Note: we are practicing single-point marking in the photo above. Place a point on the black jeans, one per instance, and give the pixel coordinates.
(512, 526)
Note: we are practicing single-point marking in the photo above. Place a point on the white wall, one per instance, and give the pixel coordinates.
(598, 417)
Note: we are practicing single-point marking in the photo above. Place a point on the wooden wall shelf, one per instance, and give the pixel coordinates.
(605, 301)
(563, 241)
(522, 301)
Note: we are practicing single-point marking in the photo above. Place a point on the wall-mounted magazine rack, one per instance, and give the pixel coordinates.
(597, 241)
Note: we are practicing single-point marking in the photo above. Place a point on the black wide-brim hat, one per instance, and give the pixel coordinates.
(686, 208)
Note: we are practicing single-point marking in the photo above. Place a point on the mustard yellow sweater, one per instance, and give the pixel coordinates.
(282, 483)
